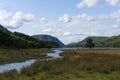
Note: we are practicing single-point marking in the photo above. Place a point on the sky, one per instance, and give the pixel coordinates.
(68, 20)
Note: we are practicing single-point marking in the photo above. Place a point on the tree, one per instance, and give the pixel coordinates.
(90, 43)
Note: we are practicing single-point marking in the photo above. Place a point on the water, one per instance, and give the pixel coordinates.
(100, 48)
(17, 66)
(55, 54)
(27, 63)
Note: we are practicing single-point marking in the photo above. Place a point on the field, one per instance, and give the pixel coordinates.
(74, 65)
(18, 55)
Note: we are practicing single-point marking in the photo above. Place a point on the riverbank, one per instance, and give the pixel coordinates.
(75, 65)
(19, 65)
(19, 55)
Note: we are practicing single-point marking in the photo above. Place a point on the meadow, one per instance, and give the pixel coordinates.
(18, 55)
(74, 65)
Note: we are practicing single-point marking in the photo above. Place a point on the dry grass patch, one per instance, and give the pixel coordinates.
(102, 51)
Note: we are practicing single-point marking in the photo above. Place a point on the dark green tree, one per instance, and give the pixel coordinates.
(90, 43)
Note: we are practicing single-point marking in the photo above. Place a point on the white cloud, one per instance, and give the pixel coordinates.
(88, 3)
(97, 3)
(65, 18)
(44, 23)
(115, 14)
(113, 2)
(47, 30)
(81, 5)
(43, 20)
(67, 31)
(14, 20)
(115, 26)
(83, 17)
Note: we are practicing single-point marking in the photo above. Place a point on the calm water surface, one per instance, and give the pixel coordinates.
(27, 63)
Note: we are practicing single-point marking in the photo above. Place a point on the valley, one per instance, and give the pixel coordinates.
(36, 58)
(59, 39)
(75, 64)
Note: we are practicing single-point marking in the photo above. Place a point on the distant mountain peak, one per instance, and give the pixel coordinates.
(46, 37)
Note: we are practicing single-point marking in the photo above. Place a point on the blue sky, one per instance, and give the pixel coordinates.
(68, 20)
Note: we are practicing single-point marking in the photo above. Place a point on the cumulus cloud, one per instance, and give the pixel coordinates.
(65, 18)
(67, 33)
(113, 2)
(83, 17)
(44, 23)
(47, 30)
(88, 3)
(97, 3)
(14, 20)
(82, 25)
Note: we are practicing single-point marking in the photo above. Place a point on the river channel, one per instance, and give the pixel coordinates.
(18, 66)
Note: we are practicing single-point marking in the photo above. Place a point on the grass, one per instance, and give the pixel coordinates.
(18, 55)
(75, 65)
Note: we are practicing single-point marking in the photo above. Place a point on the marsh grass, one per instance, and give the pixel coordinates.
(75, 65)
(18, 55)
(93, 60)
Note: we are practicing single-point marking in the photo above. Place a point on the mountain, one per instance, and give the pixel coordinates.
(72, 44)
(99, 41)
(18, 40)
(49, 38)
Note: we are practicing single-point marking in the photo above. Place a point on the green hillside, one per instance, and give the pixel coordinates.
(20, 40)
(99, 41)
(49, 38)
(113, 41)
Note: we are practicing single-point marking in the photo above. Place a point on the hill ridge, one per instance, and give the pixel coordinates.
(17, 40)
(46, 37)
(100, 41)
